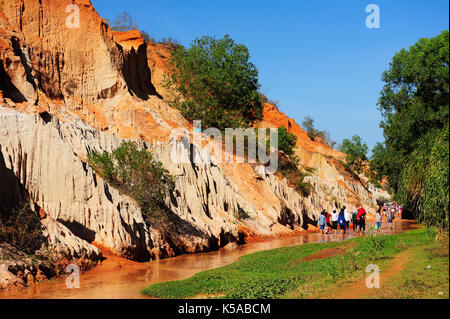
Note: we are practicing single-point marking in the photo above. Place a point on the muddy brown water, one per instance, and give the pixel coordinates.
(116, 278)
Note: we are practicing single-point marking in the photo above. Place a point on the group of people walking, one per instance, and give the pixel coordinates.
(387, 212)
(341, 220)
(357, 219)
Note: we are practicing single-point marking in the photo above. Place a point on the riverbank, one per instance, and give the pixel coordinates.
(327, 270)
(118, 278)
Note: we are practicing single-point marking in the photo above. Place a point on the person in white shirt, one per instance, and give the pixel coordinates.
(334, 218)
(347, 217)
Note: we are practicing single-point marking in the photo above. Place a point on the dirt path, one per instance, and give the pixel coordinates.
(325, 253)
(358, 290)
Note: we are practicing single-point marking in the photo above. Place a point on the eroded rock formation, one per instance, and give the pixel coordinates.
(68, 91)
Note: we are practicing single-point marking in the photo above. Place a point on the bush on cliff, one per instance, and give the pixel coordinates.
(314, 134)
(137, 174)
(22, 229)
(286, 141)
(215, 83)
(288, 162)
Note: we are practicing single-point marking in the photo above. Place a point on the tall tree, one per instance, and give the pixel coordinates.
(414, 103)
(216, 83)
(356, 153)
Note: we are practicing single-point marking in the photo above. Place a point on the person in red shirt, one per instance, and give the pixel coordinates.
(361, 218)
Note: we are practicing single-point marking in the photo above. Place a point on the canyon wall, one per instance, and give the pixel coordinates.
(68, 91)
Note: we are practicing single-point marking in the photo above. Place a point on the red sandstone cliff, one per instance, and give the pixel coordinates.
(93, 87)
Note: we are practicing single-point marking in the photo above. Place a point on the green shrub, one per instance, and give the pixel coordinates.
(431, 233)
(22, 229)
(286, 141)
(303, 188)
(137, 174)
(311, 170)
(375, 246)
(313, 133)
(242, 214)
(216, 83)
(296, 177)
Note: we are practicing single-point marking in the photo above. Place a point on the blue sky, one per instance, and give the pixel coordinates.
(316, 58)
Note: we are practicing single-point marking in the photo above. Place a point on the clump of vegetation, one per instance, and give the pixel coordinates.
(125, 22)
(135, 173)
(286, 141)
(294, 175)
(375, 245)
(22, 229)
(356, 154)
(303, 187)
(169, 41)
(216, 83)
(313, 133)
(311, 170)
(242, 214)
(415, 107)
(288, 162)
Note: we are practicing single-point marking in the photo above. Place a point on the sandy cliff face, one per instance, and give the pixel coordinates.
(66, 92)
(73, 65)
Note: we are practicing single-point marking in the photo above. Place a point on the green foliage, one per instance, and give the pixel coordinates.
(242, 214)
(431, 233)
(146, 36)
(22, 229)
(313, 133)
(288, 167)
(311, 170)
(375, 246)
(170, 42)
(356, 153)
(136, 174)
(303, 187)
(216, 83)
(415, 107)
(423, 183)
(286, 141)
(379, 162)
(288, 164)
(308, 125)
(103, 164)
